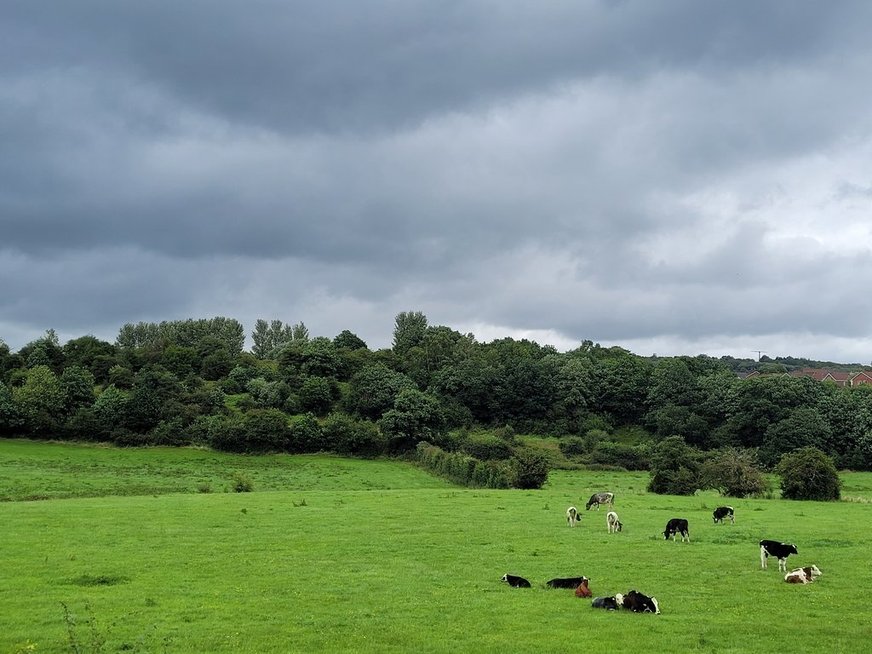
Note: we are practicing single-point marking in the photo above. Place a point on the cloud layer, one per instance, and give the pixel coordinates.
(674, 177)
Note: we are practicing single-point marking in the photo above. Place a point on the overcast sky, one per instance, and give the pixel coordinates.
(673, 176)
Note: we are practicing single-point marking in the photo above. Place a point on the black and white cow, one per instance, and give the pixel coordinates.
(600, 498)
(565, 582)
(677, 526)
(724, 512)
(572, 516)
(515, 582)
(607, 603)
(639, 603)
(613, 524)
(779, 550)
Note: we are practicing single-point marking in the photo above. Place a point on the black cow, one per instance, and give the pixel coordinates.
(724, 512)
(565, 582)
(677, 526)
(607, 603)
(639, 603)
(515, 581)
(779, 550)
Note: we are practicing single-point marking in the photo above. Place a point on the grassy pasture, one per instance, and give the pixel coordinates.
(323, 562)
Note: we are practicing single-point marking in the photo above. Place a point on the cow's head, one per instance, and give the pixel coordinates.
(792, 549)
(813, 571)
(656, 605)
(619, 600)
(619, 525)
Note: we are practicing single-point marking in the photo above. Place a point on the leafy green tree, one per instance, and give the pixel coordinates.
(11, 419)
(317, 395)
(41, 401)
(409, 329)
(78, 388)
(85, 350)
(373, 390)
(110, 407)
(621, 383)
(734, 472)
(269, 337)
(320, 358)
(349, 341)
(306, 435)
(803, 427)
(675, 468)
(416, 416)
(808, 474)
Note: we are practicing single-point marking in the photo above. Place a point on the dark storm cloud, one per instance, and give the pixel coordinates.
(601, 169)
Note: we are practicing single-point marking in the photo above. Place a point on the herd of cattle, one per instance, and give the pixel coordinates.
(636, 601)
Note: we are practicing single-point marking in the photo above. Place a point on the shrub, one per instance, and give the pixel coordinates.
(572, 446)
(808, 474)
(306, 435)
(629, 457)
(463, 469)
(349, 436)
(530, 468)
(241, 483)
(734, 472)
(486, 447)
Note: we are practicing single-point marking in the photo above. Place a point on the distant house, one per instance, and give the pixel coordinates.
(837, 377)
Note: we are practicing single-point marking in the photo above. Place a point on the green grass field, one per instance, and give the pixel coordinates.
(330, 555)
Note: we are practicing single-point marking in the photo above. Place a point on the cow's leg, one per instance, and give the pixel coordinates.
(763, 557)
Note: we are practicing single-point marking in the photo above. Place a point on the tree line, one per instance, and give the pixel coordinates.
(192, 381)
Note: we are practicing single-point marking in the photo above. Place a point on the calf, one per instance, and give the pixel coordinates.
(639, 603)
(677, 526)
(572, 516)
(607, 603)
(724, 512)
(566, 582)
(612, 522)
(515, 581)
(583, 590)
(804, 575)
(600, 498)
(779, 550)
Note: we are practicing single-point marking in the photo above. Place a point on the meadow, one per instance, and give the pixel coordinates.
(128, 551)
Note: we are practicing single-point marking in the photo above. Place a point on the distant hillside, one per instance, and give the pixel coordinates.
(786, 364)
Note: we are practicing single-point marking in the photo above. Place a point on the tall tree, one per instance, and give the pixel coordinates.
(409, 328)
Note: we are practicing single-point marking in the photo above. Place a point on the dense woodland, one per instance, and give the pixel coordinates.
(193, 382)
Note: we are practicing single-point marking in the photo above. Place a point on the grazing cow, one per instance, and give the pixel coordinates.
(779, 550)
(515, 581)
(804, 575)
(600, 498)
(639, 603)
(566, 582)
(572, 516)
(677, 526)
(612, 522)
(724, 512)
(583, 590)
(607, 603)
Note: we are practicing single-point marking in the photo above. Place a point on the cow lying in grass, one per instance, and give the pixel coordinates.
(639, 603)
(583, 590)
(608, 603)
(804, 575)
(779, 550)
(514, 581)
(566, 582)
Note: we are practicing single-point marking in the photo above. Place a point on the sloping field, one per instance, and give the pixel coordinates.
(408, 568)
